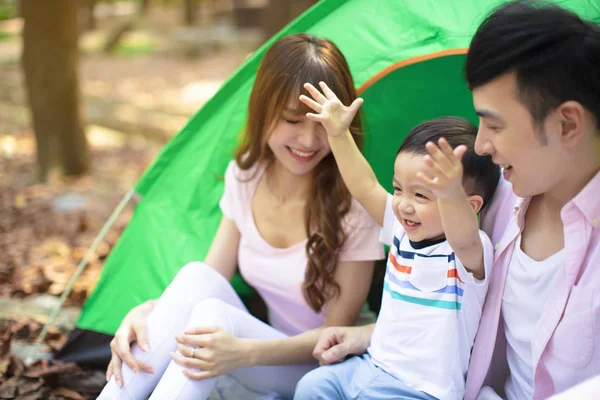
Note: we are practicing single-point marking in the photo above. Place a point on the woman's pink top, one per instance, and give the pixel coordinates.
(278, 273)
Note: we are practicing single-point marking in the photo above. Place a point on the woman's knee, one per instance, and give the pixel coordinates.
(200, 279)
(195, 271)
(212, 312)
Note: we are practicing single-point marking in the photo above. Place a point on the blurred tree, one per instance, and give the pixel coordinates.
(190, 10)
(282, 12)
(85, 15)
(144, 7)
(50, 62)
(116, 33)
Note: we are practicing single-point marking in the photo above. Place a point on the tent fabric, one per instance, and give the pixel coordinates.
(406, 58)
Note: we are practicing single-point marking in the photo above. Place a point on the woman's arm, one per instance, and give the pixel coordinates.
(354, 278)
(223, 252)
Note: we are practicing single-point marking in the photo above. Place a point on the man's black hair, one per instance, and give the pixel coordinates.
(553, 52)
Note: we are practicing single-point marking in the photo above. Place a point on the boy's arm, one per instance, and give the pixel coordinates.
(443, 175)
(461, 227)
(354, 168)
(359, 176)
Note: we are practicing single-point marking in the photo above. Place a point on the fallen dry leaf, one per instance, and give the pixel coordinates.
(9, 389)
(57, 368)
(28, 386)
(68, 393)
(4, 363)
(20, 201)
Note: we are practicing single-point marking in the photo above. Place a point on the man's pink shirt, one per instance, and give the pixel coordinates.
(566, 344)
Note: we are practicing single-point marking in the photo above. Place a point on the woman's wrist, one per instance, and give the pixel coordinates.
(365, 335)
(248, 353)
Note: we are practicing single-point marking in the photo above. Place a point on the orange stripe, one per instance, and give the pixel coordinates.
(410, 61)
(401, 268)
(453, 273)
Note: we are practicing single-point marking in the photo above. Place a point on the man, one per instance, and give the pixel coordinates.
(534, 72)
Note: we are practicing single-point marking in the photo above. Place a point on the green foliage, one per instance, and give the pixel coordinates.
(133, 49)
(8, 9)
(6, 35)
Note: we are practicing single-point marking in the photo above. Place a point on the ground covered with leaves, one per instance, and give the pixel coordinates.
(45, 230)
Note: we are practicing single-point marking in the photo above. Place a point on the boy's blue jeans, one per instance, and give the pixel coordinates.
(355, 378)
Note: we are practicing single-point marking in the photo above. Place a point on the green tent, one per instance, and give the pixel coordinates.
(406, 57)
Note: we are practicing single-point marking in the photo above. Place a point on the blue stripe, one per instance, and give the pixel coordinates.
(406, 284)
(448, 305)
(411, 255)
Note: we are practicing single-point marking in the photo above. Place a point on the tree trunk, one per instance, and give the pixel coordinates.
(50, 63)
(281, 12)
(144, 7)
(189, 12)
(85, 15)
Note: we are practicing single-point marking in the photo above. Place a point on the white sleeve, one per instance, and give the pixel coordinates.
(488, 260)
(386, 233)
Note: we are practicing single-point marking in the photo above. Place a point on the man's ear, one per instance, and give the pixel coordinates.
(476, 202)
(572, 120)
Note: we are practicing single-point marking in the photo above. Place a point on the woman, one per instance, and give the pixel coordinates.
(297, 235)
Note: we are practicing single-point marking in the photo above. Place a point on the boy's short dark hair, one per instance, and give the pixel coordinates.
(553, 52)
(480, 175)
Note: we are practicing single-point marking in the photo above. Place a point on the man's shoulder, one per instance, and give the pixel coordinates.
(497, 215)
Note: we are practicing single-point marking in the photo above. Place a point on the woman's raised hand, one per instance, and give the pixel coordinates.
(132, 329)
(329, 110)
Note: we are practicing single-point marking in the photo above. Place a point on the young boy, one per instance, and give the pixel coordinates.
(436, 278)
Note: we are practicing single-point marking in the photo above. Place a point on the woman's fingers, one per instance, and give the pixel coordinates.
(315, 117)
(121, 346)
(190, 362)
(198, 376)
(355, 105)
(327, 92)
(141, 333)
(109, 371)
(315, 93)
(115, 362)
(121, 351)
(335, 354)
(311, 103)
(199, 352)
(196, 340)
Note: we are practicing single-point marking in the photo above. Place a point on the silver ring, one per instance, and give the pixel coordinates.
(193, 350)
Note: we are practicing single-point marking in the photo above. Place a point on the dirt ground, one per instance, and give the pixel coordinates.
(46, 228)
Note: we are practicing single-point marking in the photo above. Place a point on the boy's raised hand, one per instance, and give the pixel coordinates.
(443, 171)
(329, 110)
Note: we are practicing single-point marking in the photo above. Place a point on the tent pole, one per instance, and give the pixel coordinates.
(34, 352)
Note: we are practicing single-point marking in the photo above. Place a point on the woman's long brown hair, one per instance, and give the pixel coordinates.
(289, 63)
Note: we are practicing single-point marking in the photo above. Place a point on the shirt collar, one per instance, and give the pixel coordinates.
(588, 201)
(521, 206)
